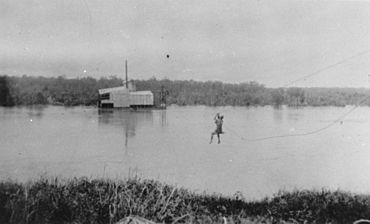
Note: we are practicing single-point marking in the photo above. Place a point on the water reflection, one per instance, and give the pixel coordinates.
(278, 113)
(163, 118)
(35, 111)
(32, 111)
(295, 113)
(131, 121)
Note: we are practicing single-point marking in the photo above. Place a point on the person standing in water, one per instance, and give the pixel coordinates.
(218, 121)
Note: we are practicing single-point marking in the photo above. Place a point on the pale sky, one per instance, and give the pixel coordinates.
(271, 42)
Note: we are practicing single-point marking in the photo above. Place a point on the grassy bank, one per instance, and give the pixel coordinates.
(107, 201)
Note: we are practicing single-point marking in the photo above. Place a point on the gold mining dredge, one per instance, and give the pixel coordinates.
(126, 96)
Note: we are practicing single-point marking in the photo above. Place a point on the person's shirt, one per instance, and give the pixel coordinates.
(218, 121)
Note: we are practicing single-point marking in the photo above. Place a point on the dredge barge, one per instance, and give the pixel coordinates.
(126, 96)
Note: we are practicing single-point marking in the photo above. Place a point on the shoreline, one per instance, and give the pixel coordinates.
(29, 90)
(87, 200)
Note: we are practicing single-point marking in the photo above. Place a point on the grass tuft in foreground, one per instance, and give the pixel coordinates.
(107, 201)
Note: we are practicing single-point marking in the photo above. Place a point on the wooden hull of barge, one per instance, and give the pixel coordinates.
(133, 108)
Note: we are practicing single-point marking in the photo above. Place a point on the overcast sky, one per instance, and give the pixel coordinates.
(271, 42)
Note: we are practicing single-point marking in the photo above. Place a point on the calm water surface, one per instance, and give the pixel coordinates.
(173, 146)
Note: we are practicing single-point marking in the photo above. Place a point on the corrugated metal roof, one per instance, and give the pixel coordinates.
(141, 93)
(108, 90)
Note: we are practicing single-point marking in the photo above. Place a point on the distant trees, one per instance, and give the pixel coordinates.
(277, 96)
(5, 95)
(296, 96)
(208, 93)
(28, 90)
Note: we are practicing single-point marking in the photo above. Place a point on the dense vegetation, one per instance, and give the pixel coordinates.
(107, 201)
(28, 90)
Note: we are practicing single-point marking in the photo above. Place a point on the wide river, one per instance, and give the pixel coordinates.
(173, 146)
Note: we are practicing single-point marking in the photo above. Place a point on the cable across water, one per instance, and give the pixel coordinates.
(340, 118)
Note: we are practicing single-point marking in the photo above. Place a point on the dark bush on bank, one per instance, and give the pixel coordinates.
(107, 201)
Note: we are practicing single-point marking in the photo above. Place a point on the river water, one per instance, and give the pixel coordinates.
(173, 146)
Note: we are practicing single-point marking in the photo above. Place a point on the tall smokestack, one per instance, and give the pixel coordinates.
(126, 74)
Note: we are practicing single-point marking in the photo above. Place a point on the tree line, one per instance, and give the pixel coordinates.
(27, 90)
